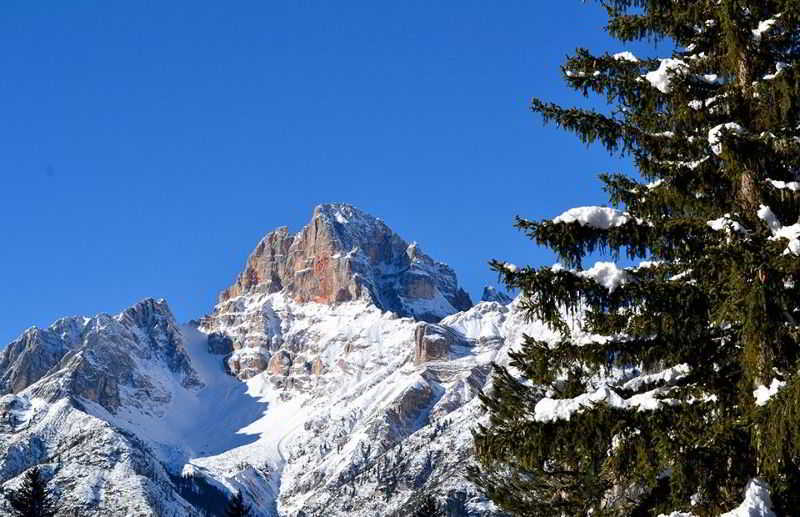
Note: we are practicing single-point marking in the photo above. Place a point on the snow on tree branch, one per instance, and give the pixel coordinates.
(599, 217)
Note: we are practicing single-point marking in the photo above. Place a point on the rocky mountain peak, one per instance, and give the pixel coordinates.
(491, 294)
(147, 312)
(333, 394)
(346, 254)
(96, 358)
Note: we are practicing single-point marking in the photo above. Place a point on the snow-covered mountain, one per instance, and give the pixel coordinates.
(346, 254)
(491, 294)
(335, 377)
(66, 390)
(343, 254)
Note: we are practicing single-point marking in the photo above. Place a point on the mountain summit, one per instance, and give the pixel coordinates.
(342, 255)
(336, 377)
(346, 254)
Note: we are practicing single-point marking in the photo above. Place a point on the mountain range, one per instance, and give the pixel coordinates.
(337, 375)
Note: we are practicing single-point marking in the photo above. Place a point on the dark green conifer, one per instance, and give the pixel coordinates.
(429, 507)
(237, 507)
(714, 134)
(32, 499)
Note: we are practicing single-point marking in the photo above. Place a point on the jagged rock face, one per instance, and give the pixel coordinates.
(280, 364)
(434, 342)
(267, 267)
(491, 294)
(95, 358)
(115, 365)
(345, 254)
(32, 355)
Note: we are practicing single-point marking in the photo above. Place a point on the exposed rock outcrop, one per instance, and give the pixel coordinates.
(343, 254)
(280, 363)
(317, 366)
(96, 357)
(402, 416)
(491, 294)
(346, 254)
(219, 344)
(434, 342)
(248, 363)
(29, 357)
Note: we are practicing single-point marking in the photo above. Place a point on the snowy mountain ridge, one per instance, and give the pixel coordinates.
(309, 405)
(336, 405)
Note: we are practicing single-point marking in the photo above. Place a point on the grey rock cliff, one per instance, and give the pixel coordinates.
(64, 385)
(343, 254)
(434, 342)
(94, 357)
(491, 294)
(346, 254)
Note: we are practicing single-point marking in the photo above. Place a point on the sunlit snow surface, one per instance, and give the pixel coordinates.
(762, 393)
(302, 446)
(600, 217)
(370, 395)
(757, 503)
(661, 77)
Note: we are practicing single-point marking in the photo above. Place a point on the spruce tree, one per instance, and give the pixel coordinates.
(31, 499)
(714, 306)
(428, 508)
(237, 507)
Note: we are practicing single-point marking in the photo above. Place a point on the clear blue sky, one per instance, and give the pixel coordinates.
(148, 146)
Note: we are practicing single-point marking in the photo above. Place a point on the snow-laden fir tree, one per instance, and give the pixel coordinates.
(674, 385)
(32, 498)
(429, 507)
(237, 507)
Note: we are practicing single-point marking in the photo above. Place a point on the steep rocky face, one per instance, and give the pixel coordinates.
(491, 294)
(29, 357)
(435, 342)
(65, 386)
(343, 254)
(95, 358)
(346, 254)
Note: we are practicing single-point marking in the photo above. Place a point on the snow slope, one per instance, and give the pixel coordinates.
(383, 418)
(293, 442)
(338, 407)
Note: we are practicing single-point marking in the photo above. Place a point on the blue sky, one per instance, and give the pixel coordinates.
(148, 146)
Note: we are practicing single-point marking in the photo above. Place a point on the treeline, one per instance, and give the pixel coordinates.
(33, 499)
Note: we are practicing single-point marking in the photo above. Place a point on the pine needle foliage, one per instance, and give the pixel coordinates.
(32, 499)
(717, 215)
(237, 507)
(429, 507)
